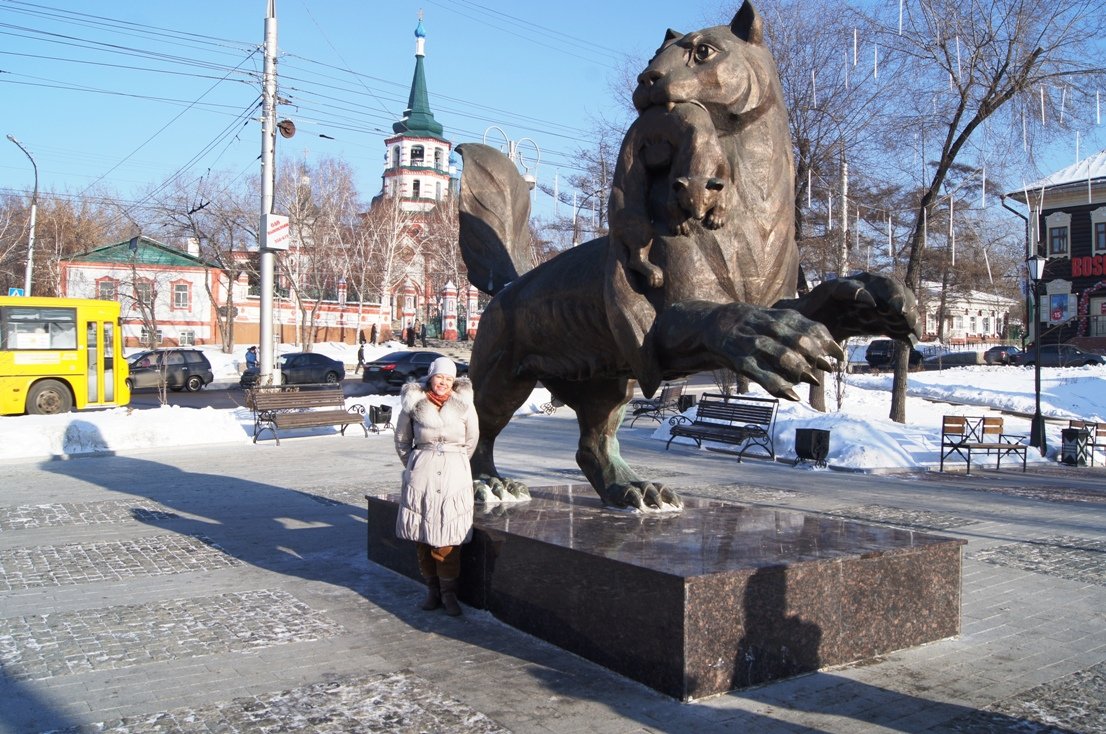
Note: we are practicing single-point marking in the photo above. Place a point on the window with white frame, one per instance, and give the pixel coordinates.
(971, 325)
(417, 155)
(986, 324)
(106, 290)
(187, 338)
(1058, 227)
(958, 322)
(1098, 230)
(144, 292)
(145, 336)
(182, 296)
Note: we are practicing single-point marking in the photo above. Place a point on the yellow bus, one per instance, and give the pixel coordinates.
(57, 354)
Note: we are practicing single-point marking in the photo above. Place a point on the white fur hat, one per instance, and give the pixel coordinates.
(442, 366)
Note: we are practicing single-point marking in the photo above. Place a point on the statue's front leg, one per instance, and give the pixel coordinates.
(775, 348)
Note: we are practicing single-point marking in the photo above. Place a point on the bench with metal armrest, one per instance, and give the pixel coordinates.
(738, 420)
(963, 435)
(280, 408)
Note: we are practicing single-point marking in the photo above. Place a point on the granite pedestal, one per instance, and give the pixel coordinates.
(699, 602)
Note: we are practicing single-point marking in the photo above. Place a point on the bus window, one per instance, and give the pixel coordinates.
(39, 328)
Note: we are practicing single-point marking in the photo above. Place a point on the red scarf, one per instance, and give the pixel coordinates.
(438, 400)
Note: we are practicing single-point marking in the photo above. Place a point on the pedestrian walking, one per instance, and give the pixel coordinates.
(251, 358)
(375, 337)
(422, 335)
(435, 436)
(360, 358)
(410, 335)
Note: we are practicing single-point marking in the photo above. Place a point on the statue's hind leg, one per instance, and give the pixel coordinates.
(599, 406)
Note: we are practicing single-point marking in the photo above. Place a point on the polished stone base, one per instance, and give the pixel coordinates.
(699, 602)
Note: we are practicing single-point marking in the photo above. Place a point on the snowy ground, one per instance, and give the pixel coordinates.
(862, 437)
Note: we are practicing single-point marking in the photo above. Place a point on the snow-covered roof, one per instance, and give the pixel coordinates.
(1092, 168)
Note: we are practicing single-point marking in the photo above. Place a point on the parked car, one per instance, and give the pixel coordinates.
(394, 369)
(1001, 354)
(1059, 355)
(879, 354)
(179, 368)
(302, 368)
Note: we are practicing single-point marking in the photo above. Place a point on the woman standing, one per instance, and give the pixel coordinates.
(436, 433)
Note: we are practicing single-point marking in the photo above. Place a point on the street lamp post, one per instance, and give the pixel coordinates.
(34, 210)
(1035, 266)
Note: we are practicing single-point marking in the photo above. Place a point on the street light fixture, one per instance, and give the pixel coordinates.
(514, 154)
(1035, 265)
(34, 210)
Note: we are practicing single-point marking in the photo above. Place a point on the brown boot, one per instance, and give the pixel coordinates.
(449, 597)
(433, 595)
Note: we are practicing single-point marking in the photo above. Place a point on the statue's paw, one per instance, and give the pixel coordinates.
(777, 348)
(492, 490)
(682, 228)
(864, 304)
(715, 219)
(654, 276)
(643, 496)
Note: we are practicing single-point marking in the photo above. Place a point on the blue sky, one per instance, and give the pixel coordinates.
(84, 93)
(125, 94)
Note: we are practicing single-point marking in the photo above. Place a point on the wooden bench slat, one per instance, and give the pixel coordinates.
(733, 419)
(961, 435)
(275, 408)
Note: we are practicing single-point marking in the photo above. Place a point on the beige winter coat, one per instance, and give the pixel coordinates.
(435, 446)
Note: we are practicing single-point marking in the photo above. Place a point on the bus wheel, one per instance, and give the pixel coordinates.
(48, 398)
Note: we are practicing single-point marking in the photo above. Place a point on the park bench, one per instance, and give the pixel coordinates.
(281, 408)
(963, 435)
(738, 420)
(1096, 438)
(663, 405)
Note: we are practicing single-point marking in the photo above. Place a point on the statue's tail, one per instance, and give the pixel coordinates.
(494, 218)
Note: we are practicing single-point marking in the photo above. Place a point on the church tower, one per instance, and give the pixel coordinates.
(416, 167)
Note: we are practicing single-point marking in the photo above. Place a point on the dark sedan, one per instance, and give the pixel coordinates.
(1058, 355)
(392, 370)
(302, 368)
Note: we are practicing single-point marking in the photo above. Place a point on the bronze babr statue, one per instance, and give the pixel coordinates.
(707, 282)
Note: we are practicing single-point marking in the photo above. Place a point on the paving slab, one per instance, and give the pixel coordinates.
(226, 588)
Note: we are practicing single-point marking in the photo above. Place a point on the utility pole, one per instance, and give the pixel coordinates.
(34, 210)
(266, 348)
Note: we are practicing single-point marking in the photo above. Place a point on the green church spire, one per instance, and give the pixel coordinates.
(417, 118)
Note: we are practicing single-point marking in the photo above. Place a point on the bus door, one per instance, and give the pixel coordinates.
(101, 363)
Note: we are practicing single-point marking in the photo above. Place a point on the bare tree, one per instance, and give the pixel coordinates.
(322, 203)
(967, 64)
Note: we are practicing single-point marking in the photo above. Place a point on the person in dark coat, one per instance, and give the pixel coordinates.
(411, 335)
(360, 358)
(435, 435)
(422, 335)
(251, 358)
(375, 336)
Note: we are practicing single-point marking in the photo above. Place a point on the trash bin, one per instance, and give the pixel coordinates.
(1074, 446)
(686, 401)
(812, 444)
(380, 417)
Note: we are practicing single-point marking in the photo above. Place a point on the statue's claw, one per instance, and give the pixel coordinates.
(489, 489)
(643, 496)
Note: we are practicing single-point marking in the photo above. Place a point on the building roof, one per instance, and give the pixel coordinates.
(1091, 169)
(417, 118)
(142, 251)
